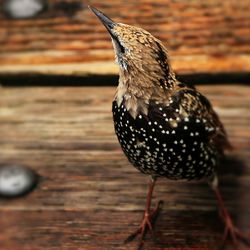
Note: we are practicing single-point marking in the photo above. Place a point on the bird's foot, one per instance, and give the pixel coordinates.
(147, 223)
(232, 232)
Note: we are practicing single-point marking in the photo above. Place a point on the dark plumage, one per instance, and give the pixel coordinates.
(165, 127)
(164, 143)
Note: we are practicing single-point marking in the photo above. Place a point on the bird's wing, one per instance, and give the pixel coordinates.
(194, 105)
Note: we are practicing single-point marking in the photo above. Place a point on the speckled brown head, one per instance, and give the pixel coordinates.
(145, 72)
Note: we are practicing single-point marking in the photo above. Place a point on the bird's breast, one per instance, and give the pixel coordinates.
(161, 144)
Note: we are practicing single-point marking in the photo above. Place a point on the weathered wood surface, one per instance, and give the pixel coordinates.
(211, 36)
(89, 196)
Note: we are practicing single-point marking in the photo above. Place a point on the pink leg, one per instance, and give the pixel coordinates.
(148, 217)
(230, 231)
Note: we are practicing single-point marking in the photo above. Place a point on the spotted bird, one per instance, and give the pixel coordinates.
(165, 127)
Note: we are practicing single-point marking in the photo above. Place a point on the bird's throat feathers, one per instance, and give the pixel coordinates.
(144, 76)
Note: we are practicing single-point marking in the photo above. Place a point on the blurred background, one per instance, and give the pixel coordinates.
(52, 37)
(58, 78)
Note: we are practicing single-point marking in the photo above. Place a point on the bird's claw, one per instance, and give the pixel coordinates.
(234, 233)
(147, 223)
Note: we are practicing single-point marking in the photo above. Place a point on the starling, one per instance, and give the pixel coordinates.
(165, 128)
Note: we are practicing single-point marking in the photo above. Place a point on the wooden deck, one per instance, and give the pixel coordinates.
(89, 196)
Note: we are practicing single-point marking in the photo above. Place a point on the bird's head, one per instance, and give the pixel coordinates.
(137, 51)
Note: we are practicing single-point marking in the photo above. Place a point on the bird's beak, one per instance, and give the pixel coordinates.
(106, 21)
(109, 25)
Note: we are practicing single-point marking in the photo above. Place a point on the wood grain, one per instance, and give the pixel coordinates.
(89, 196)
(201, 37)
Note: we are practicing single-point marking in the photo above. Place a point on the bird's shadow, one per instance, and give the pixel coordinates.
(232, 165)
(203, 228)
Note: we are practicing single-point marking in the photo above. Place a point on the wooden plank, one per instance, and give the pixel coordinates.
(201, 37)
(89, 196)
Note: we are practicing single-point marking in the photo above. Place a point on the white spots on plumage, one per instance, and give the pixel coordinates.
(140, 116)
(140, 144)
(179, 157)
(173, 123)
(198, 120)
(209, 129)
(165, 167)
(177, 110)
(154, 153)
(213, 161)
(191, 134)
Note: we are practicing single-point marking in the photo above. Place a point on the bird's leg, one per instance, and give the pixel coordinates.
(230, 230)
(149, 216)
